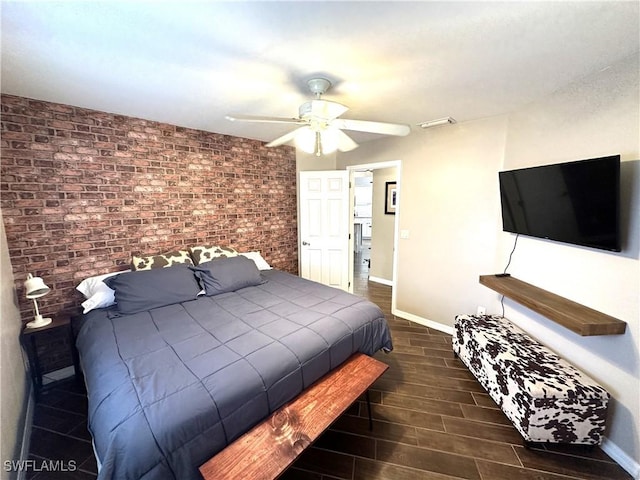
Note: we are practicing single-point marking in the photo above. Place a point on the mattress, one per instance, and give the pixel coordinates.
(170, 387)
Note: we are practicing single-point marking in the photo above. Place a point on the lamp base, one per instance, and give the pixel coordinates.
(39, 322)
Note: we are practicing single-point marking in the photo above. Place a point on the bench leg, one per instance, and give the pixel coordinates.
(369, 410)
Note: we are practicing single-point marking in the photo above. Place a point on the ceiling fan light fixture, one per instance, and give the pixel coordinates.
(316, 142)
(306, 140)
(329, 141)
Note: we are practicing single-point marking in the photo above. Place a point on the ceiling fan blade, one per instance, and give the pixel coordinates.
(345, 142)
(397, 129)
(326, 109)
(257, 118)
(287, 137)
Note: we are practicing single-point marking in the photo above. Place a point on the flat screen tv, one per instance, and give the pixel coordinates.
(573, 202)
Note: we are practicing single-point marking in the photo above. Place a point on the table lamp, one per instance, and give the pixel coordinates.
(36, 288)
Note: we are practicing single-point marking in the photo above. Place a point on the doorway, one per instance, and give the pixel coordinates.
(374, 224)
(362, 231)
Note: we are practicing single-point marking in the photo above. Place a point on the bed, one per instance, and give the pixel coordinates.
(170, 385)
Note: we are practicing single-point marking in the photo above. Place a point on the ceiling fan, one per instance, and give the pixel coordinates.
(320, 129)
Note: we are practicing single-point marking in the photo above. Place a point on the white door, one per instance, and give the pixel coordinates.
(324, 227)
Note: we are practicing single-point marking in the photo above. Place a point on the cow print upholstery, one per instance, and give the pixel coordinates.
(546, 398)
(161, 261)
(204, 253)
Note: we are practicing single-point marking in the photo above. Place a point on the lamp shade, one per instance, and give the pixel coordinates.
(35, 287)
(318, 141)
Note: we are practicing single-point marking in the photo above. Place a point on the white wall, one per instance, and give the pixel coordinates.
(13, 377)
(450, 205)
(597, 116)
(308, 162)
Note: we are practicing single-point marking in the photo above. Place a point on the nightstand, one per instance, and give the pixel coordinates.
(36, 341)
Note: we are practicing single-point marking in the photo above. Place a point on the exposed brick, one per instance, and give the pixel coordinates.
(83, 190)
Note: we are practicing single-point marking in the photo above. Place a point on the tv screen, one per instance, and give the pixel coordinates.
(573, 202)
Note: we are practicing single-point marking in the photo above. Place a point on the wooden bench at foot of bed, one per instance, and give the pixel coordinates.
(272, 446)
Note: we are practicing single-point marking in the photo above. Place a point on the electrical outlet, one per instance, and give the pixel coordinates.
(481, 310)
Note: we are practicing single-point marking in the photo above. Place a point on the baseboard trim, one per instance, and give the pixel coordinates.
(621, 458)
(423, 321)
(26, 432)
(383, 281)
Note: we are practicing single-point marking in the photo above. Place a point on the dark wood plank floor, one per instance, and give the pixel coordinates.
(59, 434)
(432, 421)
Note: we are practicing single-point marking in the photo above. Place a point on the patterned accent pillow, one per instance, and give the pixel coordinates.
(205, 253)
(160, 261)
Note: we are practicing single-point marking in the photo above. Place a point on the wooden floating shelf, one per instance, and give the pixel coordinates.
(574, 316)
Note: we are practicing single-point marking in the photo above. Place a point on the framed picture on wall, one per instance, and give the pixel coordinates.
(390, 198)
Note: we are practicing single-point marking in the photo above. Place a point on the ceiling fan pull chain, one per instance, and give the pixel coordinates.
(318, 144)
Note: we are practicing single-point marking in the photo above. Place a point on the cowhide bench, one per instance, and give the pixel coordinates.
(546, 398)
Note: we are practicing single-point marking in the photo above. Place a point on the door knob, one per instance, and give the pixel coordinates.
(306, 243)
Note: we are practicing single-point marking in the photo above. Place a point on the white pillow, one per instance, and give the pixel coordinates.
(99, 300)
(96, 292)
(260, 262)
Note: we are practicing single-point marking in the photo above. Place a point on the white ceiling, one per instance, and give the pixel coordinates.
(189, 63)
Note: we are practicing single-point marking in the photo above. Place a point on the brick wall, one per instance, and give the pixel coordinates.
(83, 190)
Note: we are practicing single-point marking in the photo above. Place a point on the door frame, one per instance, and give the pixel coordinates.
(375, 166)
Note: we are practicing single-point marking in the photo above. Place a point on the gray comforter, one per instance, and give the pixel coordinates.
(170, 387)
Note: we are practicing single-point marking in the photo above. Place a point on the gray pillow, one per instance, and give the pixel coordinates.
(146, 289)
(227, 274)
